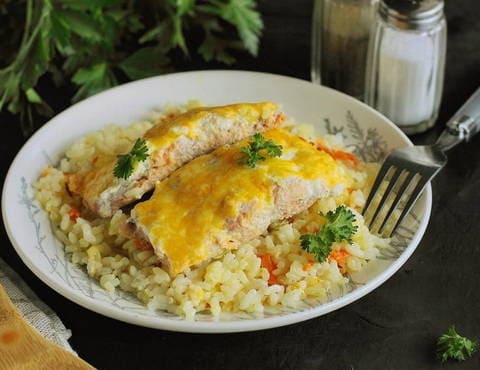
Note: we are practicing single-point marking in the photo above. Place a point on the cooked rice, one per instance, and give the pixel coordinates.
(235, 282)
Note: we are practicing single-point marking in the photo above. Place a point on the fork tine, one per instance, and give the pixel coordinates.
(395, 175)
(378, 181)
(413, 197)
(398, 196)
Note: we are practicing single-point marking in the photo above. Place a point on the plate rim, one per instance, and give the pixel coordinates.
(213, 326)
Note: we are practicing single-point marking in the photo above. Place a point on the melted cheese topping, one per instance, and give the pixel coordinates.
(189, 209)
(94, 180)
(188, 123)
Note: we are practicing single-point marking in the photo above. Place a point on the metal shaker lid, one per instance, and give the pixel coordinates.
(411, 14)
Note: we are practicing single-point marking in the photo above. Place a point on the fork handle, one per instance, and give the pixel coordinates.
(463, 125)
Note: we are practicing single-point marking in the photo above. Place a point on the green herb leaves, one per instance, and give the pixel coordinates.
(145, 62)
(126, 162)
(242, 15)
(257, 145)
(92, 80)
(316, 244)
(339, 227)
(95, 44)
(453, 346)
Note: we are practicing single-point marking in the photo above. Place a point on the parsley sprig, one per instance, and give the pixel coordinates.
(339, 227)
(126, 162)
(96, 44)
(253, 152)
(453, 346)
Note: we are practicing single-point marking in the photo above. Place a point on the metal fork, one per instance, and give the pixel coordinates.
(406, 171)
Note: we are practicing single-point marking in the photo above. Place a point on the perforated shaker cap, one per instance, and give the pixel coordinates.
(412, 14)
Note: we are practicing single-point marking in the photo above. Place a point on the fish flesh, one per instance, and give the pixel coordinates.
(170, 145)
(216, 202)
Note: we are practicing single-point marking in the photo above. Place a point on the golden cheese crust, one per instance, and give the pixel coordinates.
(215, 202)
(171, 144)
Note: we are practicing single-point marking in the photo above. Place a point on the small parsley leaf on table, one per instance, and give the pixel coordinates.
(453, 346)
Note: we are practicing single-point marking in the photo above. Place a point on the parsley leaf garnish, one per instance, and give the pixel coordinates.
(339, 227)
(453, 346)
(258, 143)
(127, 162)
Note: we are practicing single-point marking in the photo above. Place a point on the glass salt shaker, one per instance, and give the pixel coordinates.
(340, 35)
(406, 62)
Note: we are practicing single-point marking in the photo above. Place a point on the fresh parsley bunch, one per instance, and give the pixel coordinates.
(126, 162)
(253, 152)
(339, 227)
(95, 44)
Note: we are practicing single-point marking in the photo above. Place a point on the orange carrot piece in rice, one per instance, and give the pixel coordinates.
(338, 154)
(340, 256)
(273, 280)
(268, 263)
(308, 265)
(74, 213)
(346, 156)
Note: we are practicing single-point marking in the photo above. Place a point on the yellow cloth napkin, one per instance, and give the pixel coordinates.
(37, 313)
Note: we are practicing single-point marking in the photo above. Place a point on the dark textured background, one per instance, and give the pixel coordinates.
(394, 327)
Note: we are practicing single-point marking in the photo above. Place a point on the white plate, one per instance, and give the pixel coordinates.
(369, 133)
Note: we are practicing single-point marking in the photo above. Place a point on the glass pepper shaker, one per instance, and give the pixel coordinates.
(406, 60)
(340, 35)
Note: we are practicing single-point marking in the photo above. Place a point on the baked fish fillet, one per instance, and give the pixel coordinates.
(170, 145)
(215, 202)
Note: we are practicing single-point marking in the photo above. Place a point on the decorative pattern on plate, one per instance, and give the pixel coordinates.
(367, 143)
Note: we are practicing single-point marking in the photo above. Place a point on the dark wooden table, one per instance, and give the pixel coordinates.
(394, 327)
